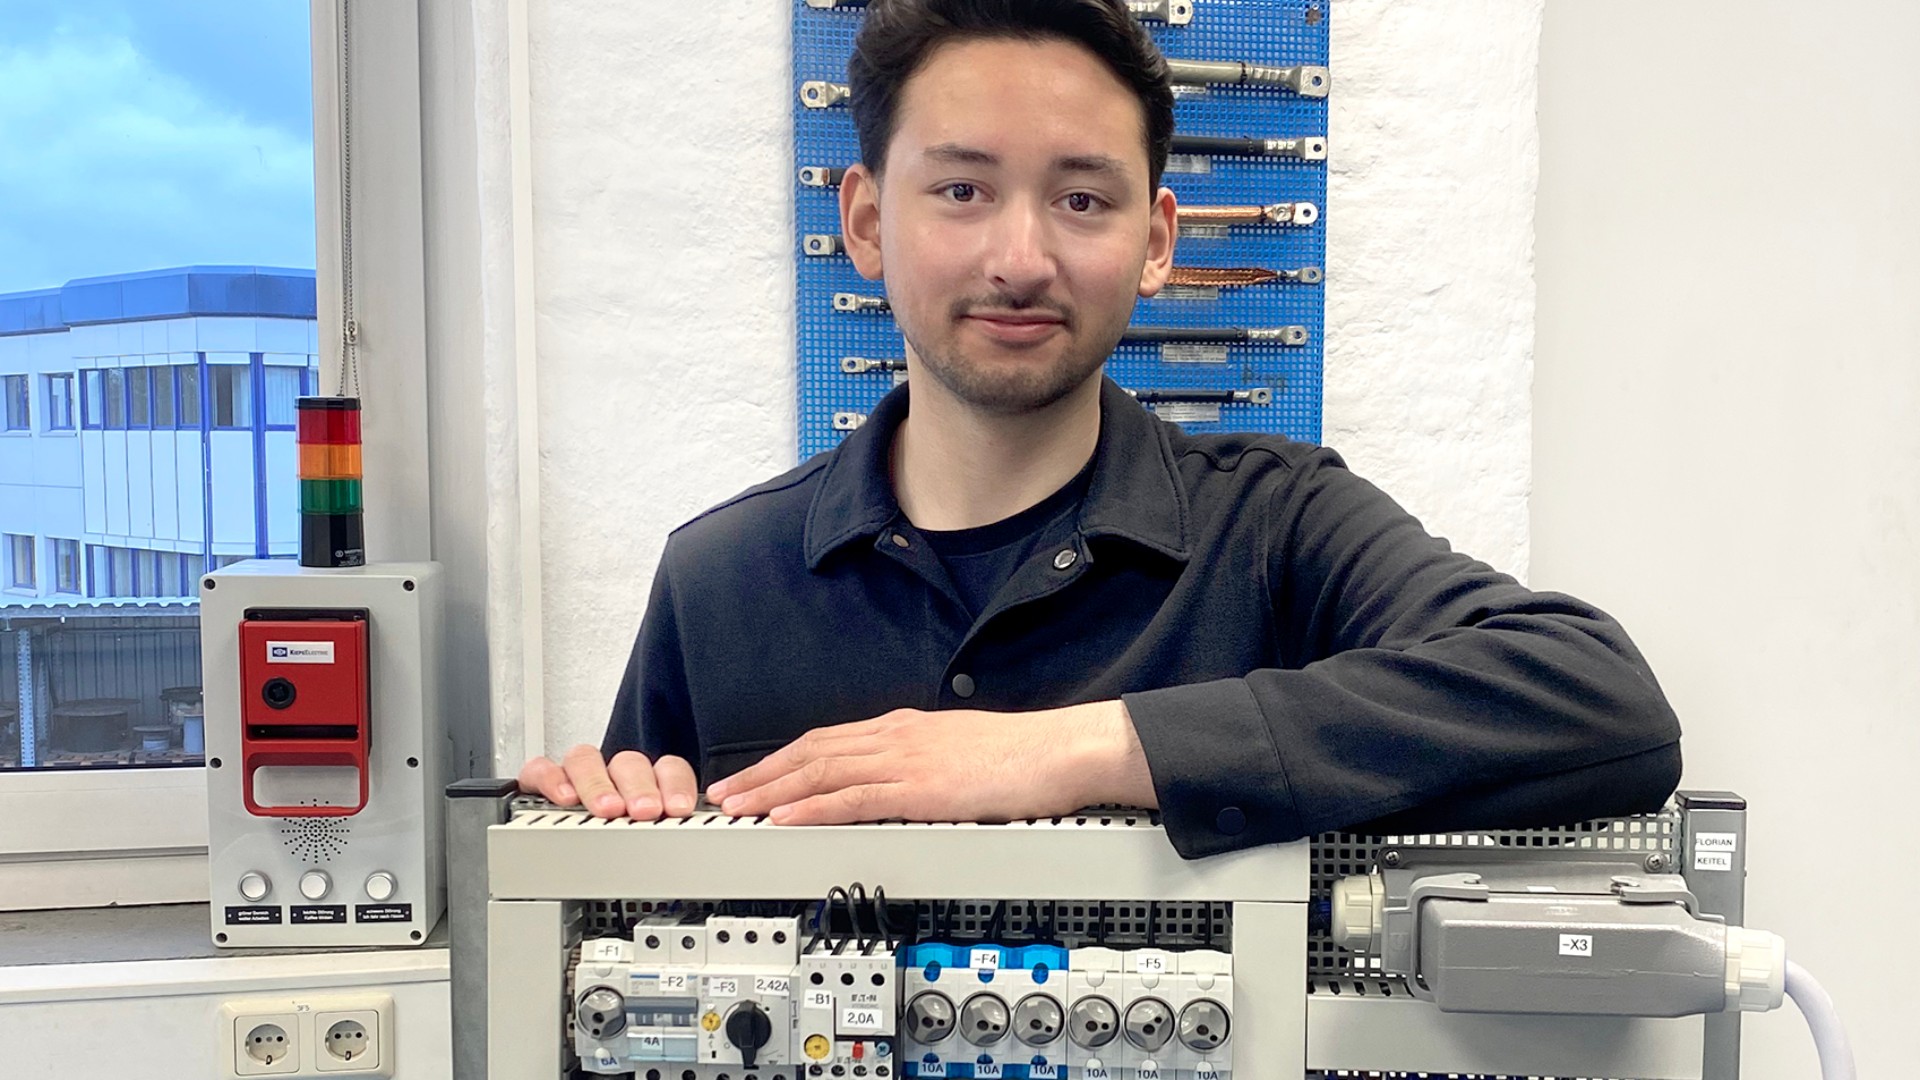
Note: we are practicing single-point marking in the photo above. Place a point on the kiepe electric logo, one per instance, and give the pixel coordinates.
(299, 652)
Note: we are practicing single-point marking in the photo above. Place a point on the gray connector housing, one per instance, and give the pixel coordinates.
(1475, 933)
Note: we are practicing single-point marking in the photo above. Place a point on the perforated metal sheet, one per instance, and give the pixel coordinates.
(1278, 33)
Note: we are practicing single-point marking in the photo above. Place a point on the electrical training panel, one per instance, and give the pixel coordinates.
(1234, 342)
(1085, 948)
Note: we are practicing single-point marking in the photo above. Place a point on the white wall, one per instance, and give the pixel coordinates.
(663, 289)
(1727, 436)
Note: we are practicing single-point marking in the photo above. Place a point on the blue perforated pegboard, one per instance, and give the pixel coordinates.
(1275, 33)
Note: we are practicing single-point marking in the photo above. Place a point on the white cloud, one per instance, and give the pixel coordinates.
(109, 165)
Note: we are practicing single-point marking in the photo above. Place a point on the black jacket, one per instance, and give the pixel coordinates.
(1297, 653)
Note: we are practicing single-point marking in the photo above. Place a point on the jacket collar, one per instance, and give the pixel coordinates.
(1134, 494)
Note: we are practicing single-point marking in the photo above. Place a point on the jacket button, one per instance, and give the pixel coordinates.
(963, 685)
(901, 541)
(1230, 821)
(1066, 558)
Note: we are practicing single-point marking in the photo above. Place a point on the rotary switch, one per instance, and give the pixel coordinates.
(749, 1028)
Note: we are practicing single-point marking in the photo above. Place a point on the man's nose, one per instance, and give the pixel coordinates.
(1020, 260)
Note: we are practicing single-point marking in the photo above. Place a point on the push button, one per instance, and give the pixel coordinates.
(963, 685)
(254, 886)
(380, 886)
(314, 884)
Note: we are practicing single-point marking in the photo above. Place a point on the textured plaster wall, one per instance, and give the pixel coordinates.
(664, 289)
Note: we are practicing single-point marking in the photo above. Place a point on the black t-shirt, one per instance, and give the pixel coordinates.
(981, 559)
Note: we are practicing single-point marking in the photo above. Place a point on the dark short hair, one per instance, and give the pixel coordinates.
(899, 35)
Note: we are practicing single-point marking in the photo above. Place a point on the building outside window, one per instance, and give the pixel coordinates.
(59, 402)
(137, 383)
(19, 416)
(20, 572)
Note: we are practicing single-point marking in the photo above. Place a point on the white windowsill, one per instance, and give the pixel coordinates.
(93, 837)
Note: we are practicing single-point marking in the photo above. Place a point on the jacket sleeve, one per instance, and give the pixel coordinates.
(653, 712)
(1417, 689)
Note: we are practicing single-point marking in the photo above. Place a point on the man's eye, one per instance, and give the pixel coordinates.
(1080, 202)
(960, 192)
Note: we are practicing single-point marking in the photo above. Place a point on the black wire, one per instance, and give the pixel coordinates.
(880, 917)
(1100, 926)
(996, 923)
(1209, 924)
(827, 913)
(946, 922)
(853, 912)
(1152, 921)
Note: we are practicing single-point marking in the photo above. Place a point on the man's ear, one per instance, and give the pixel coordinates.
(860, 220)
(1160, 235)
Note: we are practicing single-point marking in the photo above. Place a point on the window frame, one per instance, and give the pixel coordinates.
(144, 839)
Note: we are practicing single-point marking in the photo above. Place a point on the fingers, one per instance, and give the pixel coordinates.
(549, 781)
(679, 788)
(817, 777)
(587, 771)
(860, 802)
(632, 776)
(796, 754)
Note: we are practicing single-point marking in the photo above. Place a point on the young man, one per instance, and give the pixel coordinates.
(1014, 592)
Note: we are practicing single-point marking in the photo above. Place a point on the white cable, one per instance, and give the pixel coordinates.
(1829, 1035)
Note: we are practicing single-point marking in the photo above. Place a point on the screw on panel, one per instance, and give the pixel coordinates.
(1390, 858)
(1656, 862)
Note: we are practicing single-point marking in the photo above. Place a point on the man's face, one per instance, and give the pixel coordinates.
(1014, 226)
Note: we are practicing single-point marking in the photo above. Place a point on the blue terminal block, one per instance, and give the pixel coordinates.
(985, 1011)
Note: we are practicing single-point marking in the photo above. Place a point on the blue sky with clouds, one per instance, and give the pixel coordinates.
(139, 134)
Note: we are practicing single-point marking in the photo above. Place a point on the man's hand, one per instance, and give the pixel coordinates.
(953, 765)
(628, 785)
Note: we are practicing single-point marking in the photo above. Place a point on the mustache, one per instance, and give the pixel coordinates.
(969, 305)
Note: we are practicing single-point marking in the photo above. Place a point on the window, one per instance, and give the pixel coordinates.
(66, 566)
(232, 395)
(99, 571)
(59, 403)
(162, 397)
(139, 398)
(283, 389)
(91, 397)
(115, 393)
(18, 418)
(20, 573)
(189, 395)
(121, 561)
(236, 82)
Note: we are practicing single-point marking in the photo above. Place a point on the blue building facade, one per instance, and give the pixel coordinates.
(149, 429)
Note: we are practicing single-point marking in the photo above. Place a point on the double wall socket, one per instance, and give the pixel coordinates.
(336, 1035)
